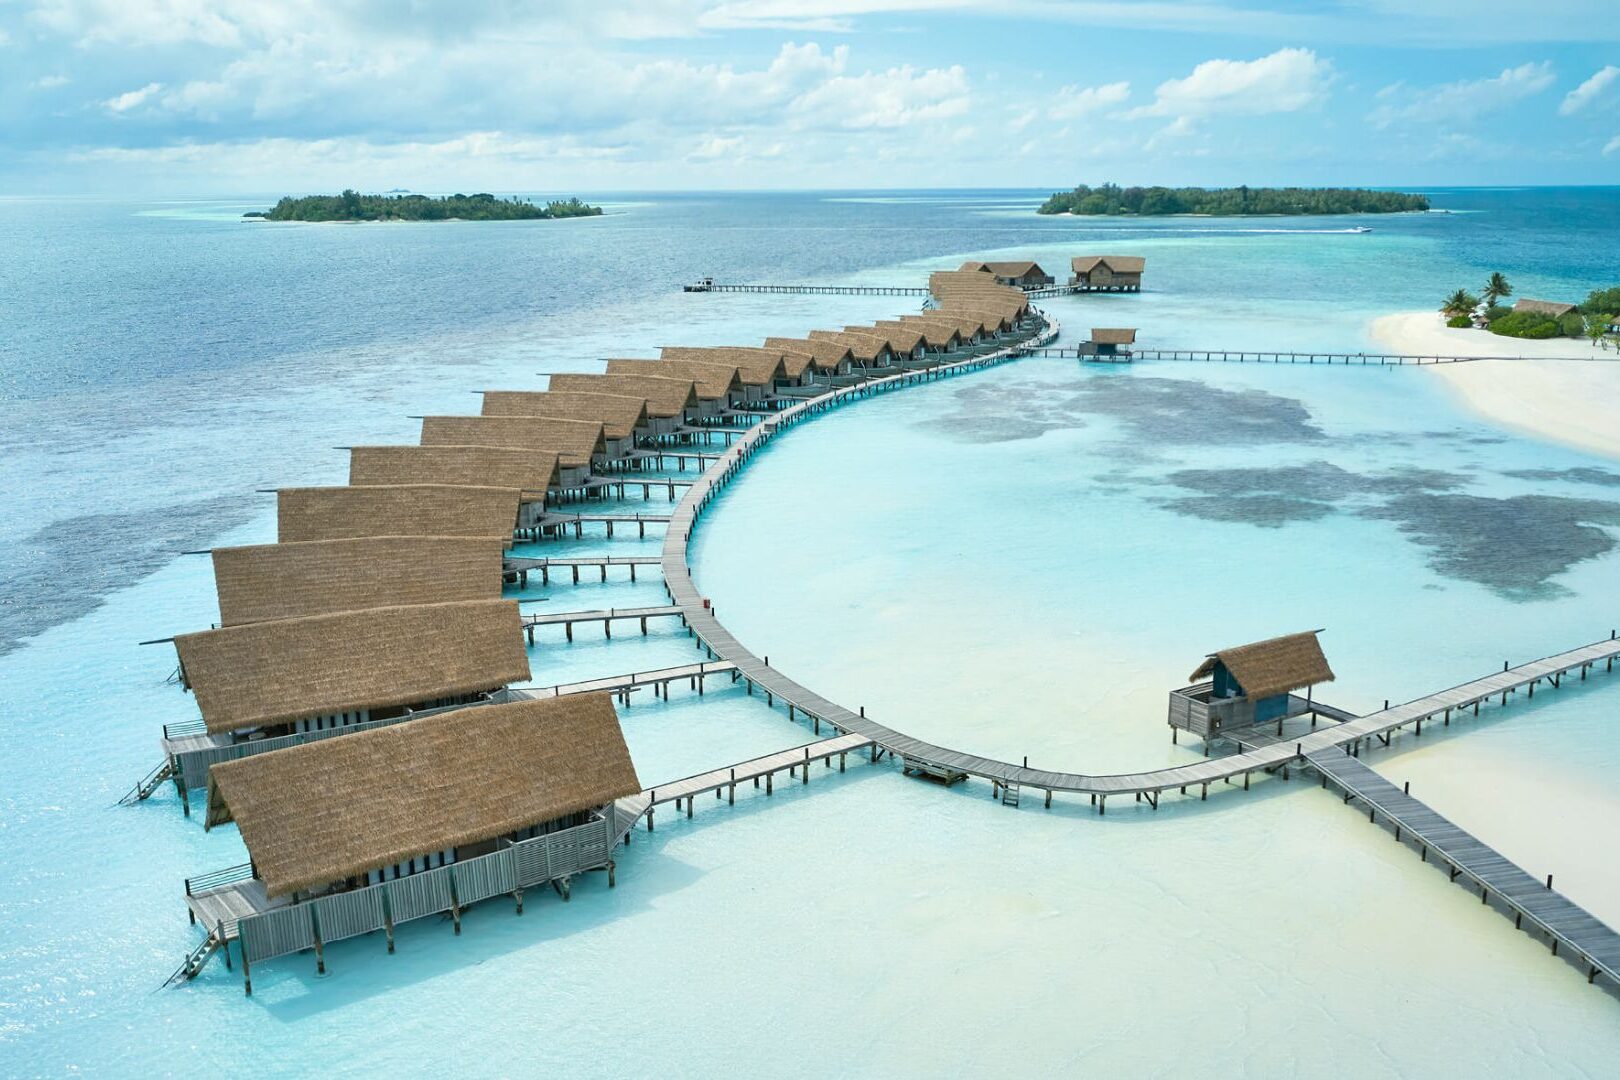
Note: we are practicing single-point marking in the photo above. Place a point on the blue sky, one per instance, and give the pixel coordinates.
(224, 96)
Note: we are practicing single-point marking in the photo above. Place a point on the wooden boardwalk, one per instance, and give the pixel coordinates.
(706, 285)
(1572, 932)
(622, 686)
(1251, 356)
(523, 565)
(561, 522)
(605, 616)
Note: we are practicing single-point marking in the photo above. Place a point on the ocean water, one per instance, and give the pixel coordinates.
(1018, 562)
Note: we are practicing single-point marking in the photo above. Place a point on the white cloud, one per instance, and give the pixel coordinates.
(50, 82)
(1286, 81)
(713, 147)
(1612, 146)
(894, 98)
(1589, 91)
(1075, 101)
(132, 99)
(1465, 100)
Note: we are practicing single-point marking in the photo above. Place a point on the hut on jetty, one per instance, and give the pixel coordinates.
(825, 358)
(936, 336)
(575, 442)
(718, 386)
(623, 417)
(1107, 273)
(760, 370)
(266, 685)
(1109, 341)
(534, 473)
(1250, 685)
(1019, 274)
(672, 403)
(262, 582)
(419, 820)
(870, 351)
(906, 343)
(338, 513)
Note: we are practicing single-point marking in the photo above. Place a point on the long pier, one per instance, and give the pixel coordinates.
(523, 565)
(622, 686)
(606, 616)
(1470, 861)
(1252, 356)
(1040, 292)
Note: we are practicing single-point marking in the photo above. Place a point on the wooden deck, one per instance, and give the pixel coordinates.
(1252, 356)
(1570, 930)
(605, 616)
(523, 565)
(552, 522)
(622, 686)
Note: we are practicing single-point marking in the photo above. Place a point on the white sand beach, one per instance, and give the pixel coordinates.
(1563, 390)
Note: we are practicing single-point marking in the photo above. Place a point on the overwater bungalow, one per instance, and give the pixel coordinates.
(937, 336)
(826, 358)
(1109, 341)
(535, 473)
(1107, 273)
(971, 328)
(338, 513)
(718, 386)
(623, 417)
(262, 582)
(760, 370)
(906, 343)
(869, 350)
(575, 442)
(1250, 685)
(1020, 274)
(422, 819)
(267, 685)
(672, 403)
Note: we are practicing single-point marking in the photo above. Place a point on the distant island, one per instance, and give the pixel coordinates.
(353, 206)
(1111, 199)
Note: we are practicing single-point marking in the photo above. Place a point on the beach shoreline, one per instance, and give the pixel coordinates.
(1562, 390)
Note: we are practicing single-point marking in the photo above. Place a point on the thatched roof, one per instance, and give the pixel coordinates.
(291, 581)
(1113, 335)
(1554, 308)
(867, 349)
(966, 323)
(755, 366)
(619, 414)
(574, 441)
(902, 339)
(1275, 666)
(336, 513)
(993, 318)
(825, 355)
(666, 396)
(314, 814)
(934, 333)
(291, 669)
(462, 466)
(1015, 269)
(1119, 264)
(714, 382)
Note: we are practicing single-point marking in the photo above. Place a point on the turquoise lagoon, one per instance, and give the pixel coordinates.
(1018, 562)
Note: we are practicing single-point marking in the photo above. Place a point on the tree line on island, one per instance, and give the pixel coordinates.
(1111, 199)
(1594, 318)
(353, 206)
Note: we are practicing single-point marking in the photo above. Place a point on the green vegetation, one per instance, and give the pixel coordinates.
(1496, 287)
(1526, 324)
(1459, 322)
(1159, 201)
(1602, 301)
(353, 206)
(1460, 303)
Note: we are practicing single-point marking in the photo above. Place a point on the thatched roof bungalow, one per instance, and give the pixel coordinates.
(1107, 273)
(905, 342)
(869, 350)
(759, 369)
(718, 385)
(575, 442)
(936, 335)
(826, 357)
(337, 513)
(1553, 308)
(1250, 684)
(1018, 274)
(353, 667)
(1109, 341)
(623, 417)
(534, 473)
(262, 582)
(671, 402)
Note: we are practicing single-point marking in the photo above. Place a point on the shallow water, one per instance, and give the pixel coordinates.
(1017, 562)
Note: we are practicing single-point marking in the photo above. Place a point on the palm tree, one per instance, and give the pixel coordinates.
(1461, 302)
(1597, 326)
(1496, 287)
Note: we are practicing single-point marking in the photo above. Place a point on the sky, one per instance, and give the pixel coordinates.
(189, 97)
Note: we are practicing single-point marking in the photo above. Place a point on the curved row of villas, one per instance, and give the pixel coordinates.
(361, 716)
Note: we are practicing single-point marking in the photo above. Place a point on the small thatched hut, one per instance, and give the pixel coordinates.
(871, 351)
(827, 358)
(1250, 684)
(906, 343)
(719, 386)
(320, 577)
(337, 513)
(330, 671)
(535, 473)
(1107, 273)
(575, 442)
(623, 417)
(671, 402)
(1018, 274)
(760, 370)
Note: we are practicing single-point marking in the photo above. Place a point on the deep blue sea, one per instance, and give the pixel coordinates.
(1018, 562)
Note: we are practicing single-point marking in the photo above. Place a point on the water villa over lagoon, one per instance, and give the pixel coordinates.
(313, 684)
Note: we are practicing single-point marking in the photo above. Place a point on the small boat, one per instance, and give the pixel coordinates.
(1361, 228)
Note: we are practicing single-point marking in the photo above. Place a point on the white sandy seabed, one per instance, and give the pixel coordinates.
(1564, 390)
